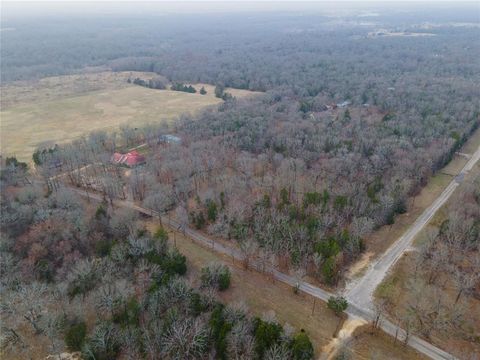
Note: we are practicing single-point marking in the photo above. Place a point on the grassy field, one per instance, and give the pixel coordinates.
(60, 109)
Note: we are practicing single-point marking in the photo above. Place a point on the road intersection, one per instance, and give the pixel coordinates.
(359, 293)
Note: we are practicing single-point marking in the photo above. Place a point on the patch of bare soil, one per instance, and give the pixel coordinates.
(359, 266)
(330, 350)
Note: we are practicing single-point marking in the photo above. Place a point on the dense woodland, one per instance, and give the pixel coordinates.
(289, 172)
(76, 277)
(346, 129)
(250, 50)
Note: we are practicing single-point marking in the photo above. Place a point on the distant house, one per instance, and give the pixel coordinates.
(169, 139)
(131, 159)
(343, 104)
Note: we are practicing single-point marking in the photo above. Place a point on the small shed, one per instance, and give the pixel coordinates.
(343, 104)
(170, 139)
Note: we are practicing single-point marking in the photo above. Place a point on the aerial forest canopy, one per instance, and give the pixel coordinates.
(346, 120)
(349, 127)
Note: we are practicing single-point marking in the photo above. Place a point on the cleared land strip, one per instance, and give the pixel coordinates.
(353, 310)
(360, 292)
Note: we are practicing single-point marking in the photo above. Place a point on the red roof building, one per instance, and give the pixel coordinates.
(130, 159)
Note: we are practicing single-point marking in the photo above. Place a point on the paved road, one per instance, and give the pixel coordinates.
(360, 291)
(359, 294)
(353, 309)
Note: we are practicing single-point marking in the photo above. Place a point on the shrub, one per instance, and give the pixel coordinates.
(44, 270)
(224, 280)
(390, 218)
(388, 117)
(227, 96)
(156, 84)
(329, 271)
(311, 198)
(296, 289)
(344, 239)
(174, 263)
(183, 87)
(128, 314)
(293, 212)
(211, 210)
(401, 207)
(219, 89)
(302, 347)
(338, 304)
(82, 279)
(312, 224)
(13, 161)
(266, 201)
(197, 305)
(103, 247)
(37, 160)
(305, 106)
(199, 220)
(171, 263)
(75, 336)
(284, 197)
(216, 276)
(266, 335)
(161, 234)
(222, 200)
(220, 328)
(100, 212)
(327, 248)
(340, 202)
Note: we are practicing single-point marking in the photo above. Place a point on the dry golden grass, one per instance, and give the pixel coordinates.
(60, 109)
(59, 87)
(366, 345)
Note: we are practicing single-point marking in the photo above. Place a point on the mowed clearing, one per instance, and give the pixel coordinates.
(67, 107)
